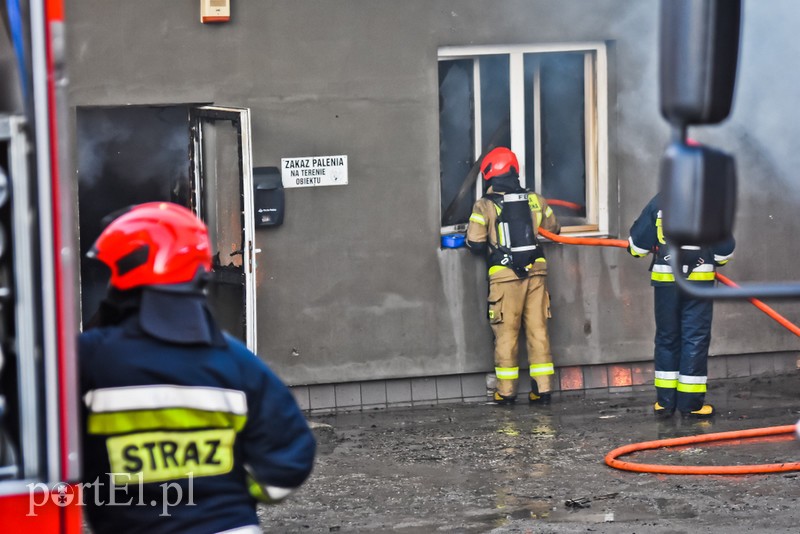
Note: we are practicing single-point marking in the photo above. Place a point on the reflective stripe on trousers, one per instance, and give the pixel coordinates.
(683, 335)
(513, 305)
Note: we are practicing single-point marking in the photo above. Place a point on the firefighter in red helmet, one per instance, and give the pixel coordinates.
(503, 226)
(178, 414)
(154, 244)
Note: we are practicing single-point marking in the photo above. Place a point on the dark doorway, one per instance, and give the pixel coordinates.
(126, 155)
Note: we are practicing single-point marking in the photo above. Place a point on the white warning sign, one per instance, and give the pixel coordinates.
(314, 171)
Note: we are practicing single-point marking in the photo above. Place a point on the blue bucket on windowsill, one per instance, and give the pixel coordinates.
(453, 240)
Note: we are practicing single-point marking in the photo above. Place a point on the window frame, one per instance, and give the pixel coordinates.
(596, 120)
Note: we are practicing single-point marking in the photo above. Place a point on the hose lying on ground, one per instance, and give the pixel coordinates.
(788, 430)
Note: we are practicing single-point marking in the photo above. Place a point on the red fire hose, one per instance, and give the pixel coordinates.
(565, 204)
(787, 431)
(597, 242)
(780, 319)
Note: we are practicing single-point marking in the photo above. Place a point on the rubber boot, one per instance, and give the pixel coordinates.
(706, 412)
(660, 411)
(502, 400)
(534, 397)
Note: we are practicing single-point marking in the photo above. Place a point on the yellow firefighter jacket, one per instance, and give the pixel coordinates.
(483, 229)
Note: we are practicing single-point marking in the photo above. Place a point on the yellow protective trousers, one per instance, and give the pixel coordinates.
(512, 305)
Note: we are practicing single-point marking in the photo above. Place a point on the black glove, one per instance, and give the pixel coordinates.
(477, 247)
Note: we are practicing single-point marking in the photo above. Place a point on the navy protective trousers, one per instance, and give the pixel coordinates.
(683, 335)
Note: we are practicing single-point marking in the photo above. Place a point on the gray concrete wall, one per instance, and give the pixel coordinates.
(354, 286)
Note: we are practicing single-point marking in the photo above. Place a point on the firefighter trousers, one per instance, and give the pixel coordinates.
(683, 335)
(514, 304)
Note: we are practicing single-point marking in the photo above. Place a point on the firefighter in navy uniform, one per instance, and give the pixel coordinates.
(182, 422)
(683, 323)
(503, 226)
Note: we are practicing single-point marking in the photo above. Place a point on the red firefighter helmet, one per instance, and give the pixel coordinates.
(498, 162)
(156, 243)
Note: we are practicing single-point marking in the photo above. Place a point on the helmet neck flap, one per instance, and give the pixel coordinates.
(180, 317)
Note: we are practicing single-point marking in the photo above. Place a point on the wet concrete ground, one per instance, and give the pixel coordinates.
(476, 468)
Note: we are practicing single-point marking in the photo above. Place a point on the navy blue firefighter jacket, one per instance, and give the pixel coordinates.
(182, 437)
(698, 263)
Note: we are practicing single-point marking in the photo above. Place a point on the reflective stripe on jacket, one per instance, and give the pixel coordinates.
(483, 229)
(698, 264)
(200, 418)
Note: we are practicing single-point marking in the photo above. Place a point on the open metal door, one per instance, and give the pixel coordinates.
(222, 196)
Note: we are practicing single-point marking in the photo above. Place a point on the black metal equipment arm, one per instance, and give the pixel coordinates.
(746, 291)
(699, 50)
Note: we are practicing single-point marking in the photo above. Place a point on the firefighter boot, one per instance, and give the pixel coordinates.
(502, 400)
(534, 397)
(662, 412)
(706, 412)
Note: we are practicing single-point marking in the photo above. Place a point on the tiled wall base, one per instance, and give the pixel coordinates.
(349, 396)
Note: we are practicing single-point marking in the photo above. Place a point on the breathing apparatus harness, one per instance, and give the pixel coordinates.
(517, 245)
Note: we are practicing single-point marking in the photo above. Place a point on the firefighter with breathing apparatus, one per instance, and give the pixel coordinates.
(185, 428)
(503, 226)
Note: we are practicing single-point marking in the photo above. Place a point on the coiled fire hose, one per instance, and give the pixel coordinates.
(780, 433)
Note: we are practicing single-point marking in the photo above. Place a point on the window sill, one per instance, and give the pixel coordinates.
(569, 231)
(582, 231)
(454, 229)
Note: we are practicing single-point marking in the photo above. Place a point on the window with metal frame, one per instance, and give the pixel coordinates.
(547, 103)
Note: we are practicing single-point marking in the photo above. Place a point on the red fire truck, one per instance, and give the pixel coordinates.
(39, 417)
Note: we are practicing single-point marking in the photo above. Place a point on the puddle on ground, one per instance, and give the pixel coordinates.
(553, 514)
(514, 507)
